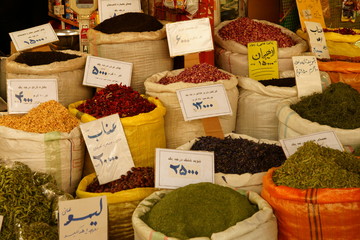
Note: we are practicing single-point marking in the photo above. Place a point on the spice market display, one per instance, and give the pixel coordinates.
(255, 172)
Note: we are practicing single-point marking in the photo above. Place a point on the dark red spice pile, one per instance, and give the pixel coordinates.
(116, 98)
(137, 177)
(343, 31)
(198, 73)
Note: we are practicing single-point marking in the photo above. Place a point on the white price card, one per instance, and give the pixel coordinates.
(189, 36)
(83, 219)
(108, 148)
(25, 94)
(326, 139)
(178, 168)
(100, 72)
(1, 221)
(204, 102)
(33, 37)
(317, 39)
(113, 8)
(307, 75)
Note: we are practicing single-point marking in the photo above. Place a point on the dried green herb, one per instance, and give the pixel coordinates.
(315, 166)
(198, 210)
(38, 230)
(337, 106)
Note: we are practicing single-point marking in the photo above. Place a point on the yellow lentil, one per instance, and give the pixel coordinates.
(46, 117)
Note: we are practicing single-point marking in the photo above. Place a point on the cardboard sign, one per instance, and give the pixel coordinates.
(307, 75)
(189, 36)
(310, 10)
(25, 94)
(263, 60)
(112, 8)
(108, 148)
(178, 168)
(204, 102)
(326, 139)
(33, 37)
(83, 219)
(100, 72)
(317, 39)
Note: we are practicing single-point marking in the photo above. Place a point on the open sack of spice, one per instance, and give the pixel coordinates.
(123, 195)
(48, 139)
(241, 161)
(141, 116)
(28, 202)
(315, 194)
(336, 109)
(164, 85)
(204, 211)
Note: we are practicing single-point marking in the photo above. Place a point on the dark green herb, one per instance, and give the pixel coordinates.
(43, 58)
(38, 230)
(198, 210)
(315, 166)
(338, 106)
(239, 155)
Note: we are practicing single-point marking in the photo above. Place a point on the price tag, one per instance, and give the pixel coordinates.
(100, 72)
(310, 10)
(178, 168)
(112, 8)
(326, 139)
(317, 39)
(263, 60)
(204, 102)
(59, 10)
(25, 94)
(108, 148)
(307, 75)
(83, 219)
(189, 36)
(1, 221)
(33, 37)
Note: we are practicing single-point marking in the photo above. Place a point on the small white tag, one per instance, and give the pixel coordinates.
(317, 39)
(112, 8)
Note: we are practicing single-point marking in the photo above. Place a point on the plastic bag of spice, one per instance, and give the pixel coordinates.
(61, 65)
(177, 130)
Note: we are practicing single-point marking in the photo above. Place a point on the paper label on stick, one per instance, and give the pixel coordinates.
(317, 39)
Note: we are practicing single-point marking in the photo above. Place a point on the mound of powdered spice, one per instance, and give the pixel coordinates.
(116, 98)
(43, 58)
(198, 210)
(337, 106)
(239, 155)
(245, 30)
(198, 73)
(315, 166)
(129, 22)
(46, 117)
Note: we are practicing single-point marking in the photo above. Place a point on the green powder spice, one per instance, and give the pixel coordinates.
(315, 166)
(198, 210)
(337, 106)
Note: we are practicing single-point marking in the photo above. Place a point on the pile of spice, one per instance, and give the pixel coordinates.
(337, 106)
(315, 166)
(136, 178)
(116, 98)
(198, 73)
(343, 31)
(43, 58)
(239, 155)
(279, 82)
(245, 30)
(129, 22)
(198, 210)
(46, 117)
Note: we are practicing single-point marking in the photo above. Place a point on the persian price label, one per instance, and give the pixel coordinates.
(178, 168)
(307, 75)
(189, 36)
(33, 37)
(263, 60)
(326, 139)
(100, 72)
(113, 8)
(108, 148)
(317, 39)
(310, 10)
(83, 219)
(204, 102)
(25, 94)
